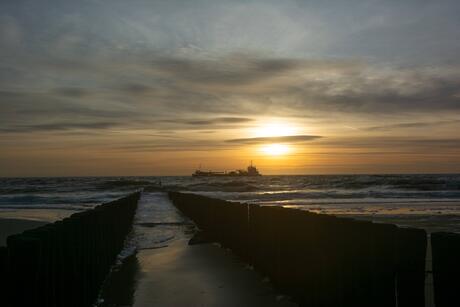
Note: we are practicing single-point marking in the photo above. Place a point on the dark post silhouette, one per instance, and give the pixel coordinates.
(319, 260)
(66, 262)
(446, 271)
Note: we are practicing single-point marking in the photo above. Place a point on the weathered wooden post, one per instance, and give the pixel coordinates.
(446, 271)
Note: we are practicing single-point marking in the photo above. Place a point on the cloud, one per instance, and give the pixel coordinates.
(412, 125)
(164, 66)
(72, 92)
(219, 120)
(185, 144)
(277, 139)
(135, 88)
(202, 122)
(413, 144)
(29, 108)
(235, 69)
(169, 92)
(291, 86)
(162, 75)
(178, 146)
(60, 126)
(11, 35)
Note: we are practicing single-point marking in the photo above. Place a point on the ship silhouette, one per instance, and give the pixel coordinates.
(251, 171)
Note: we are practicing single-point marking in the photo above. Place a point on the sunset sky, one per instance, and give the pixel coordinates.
(159, 87)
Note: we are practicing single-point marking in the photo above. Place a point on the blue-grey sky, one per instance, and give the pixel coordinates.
(143, 87)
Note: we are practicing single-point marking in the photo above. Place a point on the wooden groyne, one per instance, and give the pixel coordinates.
(319, 260)
(66, 262)
(446, 271)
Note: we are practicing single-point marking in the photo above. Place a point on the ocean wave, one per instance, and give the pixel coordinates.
(24, 190)
(403, 182)
(26, 199)
(225, 186)
(358, 195)
(124, 183)
(91, 190)
(328, 182)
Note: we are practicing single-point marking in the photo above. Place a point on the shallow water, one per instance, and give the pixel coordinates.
(157, 222)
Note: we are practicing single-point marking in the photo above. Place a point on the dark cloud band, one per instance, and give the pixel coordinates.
(277, 139)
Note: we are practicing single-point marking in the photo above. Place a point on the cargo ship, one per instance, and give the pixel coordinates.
(251, 171)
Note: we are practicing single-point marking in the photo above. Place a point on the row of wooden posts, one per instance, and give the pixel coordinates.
(65, 263)
(322, 260)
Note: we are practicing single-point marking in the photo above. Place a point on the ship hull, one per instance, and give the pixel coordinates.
(224, 175)
(250, 172)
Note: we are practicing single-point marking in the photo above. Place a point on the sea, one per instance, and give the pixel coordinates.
(428, 201)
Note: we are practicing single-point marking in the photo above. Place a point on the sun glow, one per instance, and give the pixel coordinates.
(275, 129)
(275, 149)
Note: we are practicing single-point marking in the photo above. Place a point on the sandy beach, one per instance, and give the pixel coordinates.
(16, 221)
(12, 226)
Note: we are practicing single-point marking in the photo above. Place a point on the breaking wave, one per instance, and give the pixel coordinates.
(87, 191)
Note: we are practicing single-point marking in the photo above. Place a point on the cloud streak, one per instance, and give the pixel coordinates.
(60, 126)
(277, 139)
(208, 121)
(412, 125)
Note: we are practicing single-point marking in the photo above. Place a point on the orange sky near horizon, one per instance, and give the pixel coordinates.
(110, 155)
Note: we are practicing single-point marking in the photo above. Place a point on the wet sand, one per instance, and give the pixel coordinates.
(41, 215)
(189, 275)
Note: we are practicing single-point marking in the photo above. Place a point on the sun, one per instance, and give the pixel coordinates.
(273, 131)
(275, 149)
